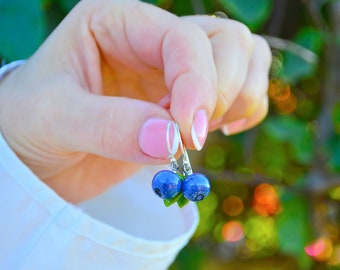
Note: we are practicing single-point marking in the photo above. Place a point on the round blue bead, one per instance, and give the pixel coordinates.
(166, 184)
(195, 187)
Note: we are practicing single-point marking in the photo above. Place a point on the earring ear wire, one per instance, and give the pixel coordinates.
(172, 150)
(186, 166)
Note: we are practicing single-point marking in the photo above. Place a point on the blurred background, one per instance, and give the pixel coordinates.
(275, 200)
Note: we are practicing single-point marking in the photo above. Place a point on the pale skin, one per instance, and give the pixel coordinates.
(73, 111)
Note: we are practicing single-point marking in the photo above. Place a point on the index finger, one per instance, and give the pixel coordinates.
(143, 36)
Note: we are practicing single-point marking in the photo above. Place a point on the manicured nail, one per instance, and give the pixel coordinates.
(199, 129)
(158, 138)
(234, 127)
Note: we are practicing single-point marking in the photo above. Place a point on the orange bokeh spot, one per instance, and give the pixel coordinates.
(287, 106)
(320, 250)
(266, 200)
(232, 231)
(278, 90)
(282, 96)
(232, 206)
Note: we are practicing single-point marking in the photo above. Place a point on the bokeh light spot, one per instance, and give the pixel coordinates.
(215, 158)
(232, 231)
(232, 206)
(334, 193)
(278, 90)
(266, 200)
(335, 257)
(320, 250)
(261, 236)
(287, 106)
(281, 95)
(276, 66)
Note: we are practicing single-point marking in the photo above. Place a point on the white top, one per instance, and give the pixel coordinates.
(127, 227)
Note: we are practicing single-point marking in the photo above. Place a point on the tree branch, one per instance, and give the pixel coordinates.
(287, 45)
(314, 11)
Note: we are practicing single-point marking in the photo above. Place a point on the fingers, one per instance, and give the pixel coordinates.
(191, 76)
(207, 65)
(232, 45)
(116, 127)
(247, 123)
(250, 106)
(68, 120)
(254, 89)
(242, 61)
(146, 37)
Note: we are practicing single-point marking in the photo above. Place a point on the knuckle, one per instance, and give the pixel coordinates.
(261, 45)
(244, 36)
(235, 34)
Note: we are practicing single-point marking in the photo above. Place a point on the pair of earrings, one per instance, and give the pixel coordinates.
(179, 186)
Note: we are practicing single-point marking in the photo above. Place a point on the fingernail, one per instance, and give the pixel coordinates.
(158, 138)
(199, 129)
(234, 127)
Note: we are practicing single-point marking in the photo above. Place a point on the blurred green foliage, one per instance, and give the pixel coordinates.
(27, 16)
(253, 13)
(275, 200)
(295, 67)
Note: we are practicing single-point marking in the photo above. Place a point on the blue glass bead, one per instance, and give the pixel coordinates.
(166, 184)
(196, 187)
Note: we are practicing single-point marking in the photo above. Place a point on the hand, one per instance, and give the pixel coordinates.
(91, 105)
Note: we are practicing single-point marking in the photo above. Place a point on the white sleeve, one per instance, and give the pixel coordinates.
(127, 227)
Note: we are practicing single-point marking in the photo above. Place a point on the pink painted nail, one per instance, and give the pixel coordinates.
(158, 138)
(199, 129)
(234, 127)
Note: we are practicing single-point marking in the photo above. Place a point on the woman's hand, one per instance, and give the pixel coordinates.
(92, 104)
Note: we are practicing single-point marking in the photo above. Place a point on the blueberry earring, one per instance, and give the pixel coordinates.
(179, 186)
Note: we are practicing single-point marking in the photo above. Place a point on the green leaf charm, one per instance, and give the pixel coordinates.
(182, 201)
(169, 202)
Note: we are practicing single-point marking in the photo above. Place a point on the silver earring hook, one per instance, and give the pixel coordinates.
(172, 148)
(186, 166)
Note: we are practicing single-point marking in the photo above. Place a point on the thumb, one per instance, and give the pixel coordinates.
(118, 128)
